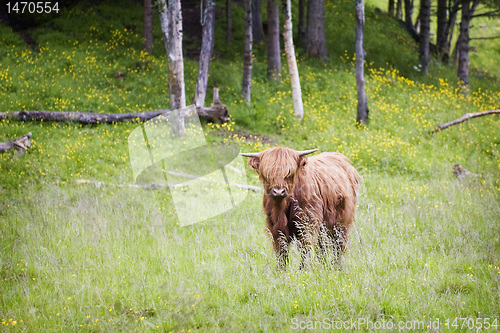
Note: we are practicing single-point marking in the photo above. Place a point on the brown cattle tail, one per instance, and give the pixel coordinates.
(304, 196)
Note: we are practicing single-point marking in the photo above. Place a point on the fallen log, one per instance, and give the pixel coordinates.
(213, 114)
(466, 117)
(20, 144)
(217, 112)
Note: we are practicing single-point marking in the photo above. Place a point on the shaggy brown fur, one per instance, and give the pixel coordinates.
(303, 196)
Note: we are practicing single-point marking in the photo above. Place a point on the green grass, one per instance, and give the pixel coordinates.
(76, 257)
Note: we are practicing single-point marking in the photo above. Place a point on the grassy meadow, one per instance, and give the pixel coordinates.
(425, 252)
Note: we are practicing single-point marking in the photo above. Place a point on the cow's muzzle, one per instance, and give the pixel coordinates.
(278, 193)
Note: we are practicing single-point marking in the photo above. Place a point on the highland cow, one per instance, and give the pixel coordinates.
(312, 200)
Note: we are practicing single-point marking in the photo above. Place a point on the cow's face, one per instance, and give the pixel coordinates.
(278, 169)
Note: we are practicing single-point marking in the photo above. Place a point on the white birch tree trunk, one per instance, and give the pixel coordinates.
(246, 85)
(298, 107)
(362, 114)
(171, 26)
(463, 47)
(207, 47)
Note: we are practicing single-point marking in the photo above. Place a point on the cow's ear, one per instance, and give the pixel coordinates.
(254, 163)
(302, 161)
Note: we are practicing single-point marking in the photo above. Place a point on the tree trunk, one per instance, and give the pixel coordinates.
(229, 23)
(399, 9)
(409, 20)
(442, 26)
(447, 28)
(171, 24)
(463, 41)
(425, 35)
(315, 33)
(452, 19)
(246, 85)
(463, 44)
(148, 26)
(302, 22)
(298, 107)
(362, 116)
(390, 10)
(409, 13)
(207, 47)
(257, 29)
(273, 41)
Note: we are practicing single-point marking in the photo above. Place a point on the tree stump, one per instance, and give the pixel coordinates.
(20, 144)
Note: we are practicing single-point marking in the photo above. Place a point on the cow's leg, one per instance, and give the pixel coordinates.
(306, 258)
(322, 249)
(328, 247)
(308, 238)
(340, 237)
(306, 244)
(281, 250)
(280, 244)
(282, 262)
(337, 251)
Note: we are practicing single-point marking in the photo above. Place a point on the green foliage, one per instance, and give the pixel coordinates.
(79, 257)
(403, 54)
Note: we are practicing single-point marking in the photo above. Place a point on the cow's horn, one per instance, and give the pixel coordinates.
(250, 154)
(305, 152)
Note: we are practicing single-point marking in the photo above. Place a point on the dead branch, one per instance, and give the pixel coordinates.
(478, 38)
(152, 186)
(155, 186)
(20, 144)
(489, 14)
(466, 117)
